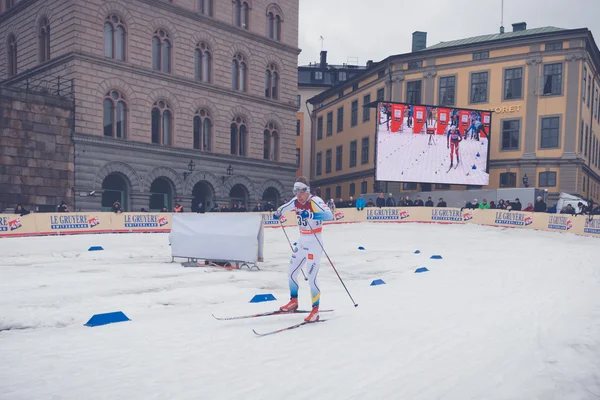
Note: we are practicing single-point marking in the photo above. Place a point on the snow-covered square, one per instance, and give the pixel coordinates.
(404, 156)
(506, 314)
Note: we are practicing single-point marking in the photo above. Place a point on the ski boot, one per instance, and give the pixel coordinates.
(291, 306)
(314, 315)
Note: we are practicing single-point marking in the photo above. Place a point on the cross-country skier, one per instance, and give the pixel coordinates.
(311, 211)
(452, 140)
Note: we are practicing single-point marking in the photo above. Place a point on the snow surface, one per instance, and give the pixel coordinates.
(407, 157)
(506, 314)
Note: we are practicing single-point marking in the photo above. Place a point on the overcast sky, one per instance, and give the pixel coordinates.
(375, 29)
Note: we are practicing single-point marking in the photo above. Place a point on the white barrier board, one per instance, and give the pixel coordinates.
(217, 236)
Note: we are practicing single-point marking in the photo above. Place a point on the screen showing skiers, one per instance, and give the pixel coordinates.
(424, 144)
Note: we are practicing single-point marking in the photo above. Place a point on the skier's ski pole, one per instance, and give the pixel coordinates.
(291, 247)
(332, 266)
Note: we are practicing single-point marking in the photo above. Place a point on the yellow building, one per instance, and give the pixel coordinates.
(542, 85)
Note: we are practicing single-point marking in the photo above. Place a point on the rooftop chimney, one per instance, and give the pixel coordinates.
(323, 59)
(501, 29)
(519, 26)
(369, 63)
(419, 41)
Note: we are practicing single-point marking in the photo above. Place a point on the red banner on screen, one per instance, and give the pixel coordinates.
(397, 117)
(419, 118)
(443, 120)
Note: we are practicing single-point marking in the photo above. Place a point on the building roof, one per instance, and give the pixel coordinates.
(495, 36)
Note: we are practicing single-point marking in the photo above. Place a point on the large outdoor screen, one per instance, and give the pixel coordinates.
(428, 144)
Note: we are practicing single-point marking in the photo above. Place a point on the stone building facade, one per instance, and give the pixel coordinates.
(36, 150)
(161, 86)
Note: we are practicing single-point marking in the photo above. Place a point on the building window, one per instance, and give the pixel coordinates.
(595, 108)
(238, 136)
(354, 113)
(202, 62)
(589, 91)
(328, 193)
(44, 40)
(380, 94)
(352, 189)
(297, 157)
(298, 99)
(415, 64)
(513, 83)
(330, 123)
(447, 90)
(482, 55)
(114, 38)
(161, 51)
(202, 130)
(115, 115)
(297, 127)
(581, 137)
(319, 128)
(442, 186)
(550, 132)
(547, 179)
(241, 13)
(338, 192)
(366, 110)
(205, 7)
(553, 79)
(239, 70)
(271, 143)
(413, 92)
(162, 123)
(339, 153)
(584, 83)
(340, 119)
(274, 21)
(409, 186)
(328, 156)
(508, 180)
(12, 55)
(318, 75)
(353, 153)
(342, 76)
(271, 82)
(587, 140)
(364, 156)
(553, 46)
(9, 4)
(479, 87)
(363, 187)
(511, 132)
(319, 162)
(341, 94)
(355, 87)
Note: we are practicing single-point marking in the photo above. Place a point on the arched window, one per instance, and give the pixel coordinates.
(274, 20)
(203, 62)
(44, 40)
(9, 4)
(271, 82)
(202, 130)
(241, 13)
(115, 115)
(239, 71)
(114, 38)
(12, 55)
(271, 142)
(239, 136)
(162, 123)
(161, 51)
(205, 7)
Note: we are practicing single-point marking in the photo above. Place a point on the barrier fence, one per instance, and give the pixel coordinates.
(44, 224)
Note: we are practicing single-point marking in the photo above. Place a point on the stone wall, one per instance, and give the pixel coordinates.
(36, 150)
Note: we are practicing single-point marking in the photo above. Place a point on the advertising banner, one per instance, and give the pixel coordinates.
(141, 222)
(69, 223)
(397, 117)
(419, 118)
(15, 225)
(443, 120)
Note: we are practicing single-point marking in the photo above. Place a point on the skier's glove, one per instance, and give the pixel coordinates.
(304, 214)
(276, 215)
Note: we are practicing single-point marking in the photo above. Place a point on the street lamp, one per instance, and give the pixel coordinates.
(191, 167)
(229, 173)
(525, 180)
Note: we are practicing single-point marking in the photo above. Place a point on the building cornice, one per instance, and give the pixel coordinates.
(215, 23)
(149, 149)
(148, 73)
